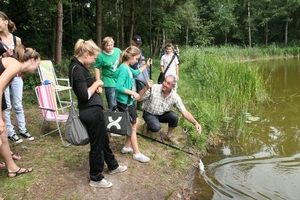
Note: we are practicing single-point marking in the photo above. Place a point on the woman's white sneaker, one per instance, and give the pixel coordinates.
(141, 158)
(101, 184)
(118, 170)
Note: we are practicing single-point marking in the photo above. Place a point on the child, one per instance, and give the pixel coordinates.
(125, 97)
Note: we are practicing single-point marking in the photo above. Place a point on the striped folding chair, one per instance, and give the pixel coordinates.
(61, 86)
(47, 103)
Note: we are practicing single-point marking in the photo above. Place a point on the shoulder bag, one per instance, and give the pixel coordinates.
(117, 121)
(161, 76)
(75, 131)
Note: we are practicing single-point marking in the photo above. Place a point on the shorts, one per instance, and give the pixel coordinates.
(4, 105)
(131, 110)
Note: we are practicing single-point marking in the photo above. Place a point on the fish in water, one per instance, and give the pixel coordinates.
(201, 166)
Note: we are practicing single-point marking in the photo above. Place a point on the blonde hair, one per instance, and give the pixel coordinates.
(11, 25)
(107, 40)
(128, 53)
(83, 46)
(22, 54)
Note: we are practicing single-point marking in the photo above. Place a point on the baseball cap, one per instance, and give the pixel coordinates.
(137, 39)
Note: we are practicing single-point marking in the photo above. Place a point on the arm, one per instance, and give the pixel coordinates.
(146, 65)
(162, 65)
(145, 89)
(97, 74)
(187, 115)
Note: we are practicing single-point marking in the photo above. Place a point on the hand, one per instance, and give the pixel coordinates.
(99, 90)
(136, 96)
(198, 128)
(99, 83)
(150, 83)
(8, 53)
(149, 62)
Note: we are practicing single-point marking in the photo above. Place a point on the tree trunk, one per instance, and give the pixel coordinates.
(122, 25)
(186, 37)
(53, 37)
(267, 33)
(249, 25)
(286, 33)
(99, 22)
(225, 38)
(59, 34)
(131, 20)
(117, 16)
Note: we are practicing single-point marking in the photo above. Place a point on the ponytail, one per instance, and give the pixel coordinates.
(23, 54)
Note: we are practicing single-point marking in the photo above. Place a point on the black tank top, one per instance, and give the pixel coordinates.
(2, 68)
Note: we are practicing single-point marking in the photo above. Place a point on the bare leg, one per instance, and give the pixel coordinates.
(5, 153)
(170, 131)
(132, 140)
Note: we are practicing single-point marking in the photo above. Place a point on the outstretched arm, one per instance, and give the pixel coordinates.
(187, 115)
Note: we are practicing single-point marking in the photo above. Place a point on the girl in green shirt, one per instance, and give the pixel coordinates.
(125, 97)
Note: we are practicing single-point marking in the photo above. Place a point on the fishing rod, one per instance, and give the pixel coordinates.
(145, 136)
(150, 38)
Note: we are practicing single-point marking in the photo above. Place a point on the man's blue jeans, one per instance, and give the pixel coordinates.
(16, 89)
(153, 121)
(110, 94)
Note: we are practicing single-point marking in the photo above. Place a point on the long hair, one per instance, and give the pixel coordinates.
(128, 53)
(11, 25)
(83, 46)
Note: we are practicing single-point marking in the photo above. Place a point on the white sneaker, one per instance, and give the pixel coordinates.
(102, 184)
(126, 150)
(141, 158)
(118, 170)
(27, 136)
(15, 139)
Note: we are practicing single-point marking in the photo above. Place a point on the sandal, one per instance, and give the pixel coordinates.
(17, 173)
(15, 156)
(2, 166)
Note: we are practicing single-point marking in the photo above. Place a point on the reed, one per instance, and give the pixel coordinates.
(217, 91)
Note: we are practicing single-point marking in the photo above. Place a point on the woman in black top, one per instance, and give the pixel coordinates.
(26, 60)
(90, 107)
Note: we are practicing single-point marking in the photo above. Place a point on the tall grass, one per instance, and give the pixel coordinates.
(217, 91)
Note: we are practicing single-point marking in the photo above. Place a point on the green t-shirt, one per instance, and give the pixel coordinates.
(108, 65)
(125, 81)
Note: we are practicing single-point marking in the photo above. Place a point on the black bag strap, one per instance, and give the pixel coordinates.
(169, 64)
(71, 79)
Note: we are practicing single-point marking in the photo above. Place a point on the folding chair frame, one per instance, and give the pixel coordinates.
(50, 110)
(47, 74)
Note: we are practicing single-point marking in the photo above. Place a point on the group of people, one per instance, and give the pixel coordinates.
(125, 79)
(120, 70)
(15, 60)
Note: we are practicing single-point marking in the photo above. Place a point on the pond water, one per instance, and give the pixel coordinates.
(267, 164)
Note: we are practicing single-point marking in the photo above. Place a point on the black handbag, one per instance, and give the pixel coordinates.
(117, 121)
(161, 76)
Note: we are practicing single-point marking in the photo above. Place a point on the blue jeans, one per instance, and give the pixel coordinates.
(110, 94)
(16, 88)
(153, 121)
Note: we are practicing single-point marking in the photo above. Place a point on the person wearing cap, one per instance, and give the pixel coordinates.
(142, 79)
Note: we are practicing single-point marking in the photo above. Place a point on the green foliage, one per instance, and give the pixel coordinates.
(219, 89)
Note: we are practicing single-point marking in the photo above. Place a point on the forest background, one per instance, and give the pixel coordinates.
(211, 34)
(53, 26)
